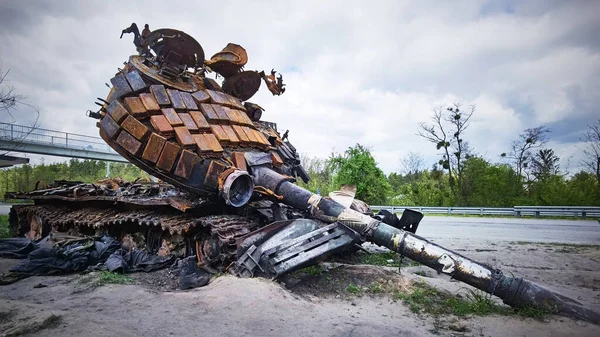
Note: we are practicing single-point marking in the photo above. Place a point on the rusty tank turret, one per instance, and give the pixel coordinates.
(227, 193)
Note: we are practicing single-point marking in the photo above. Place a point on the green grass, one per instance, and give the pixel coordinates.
(353, 289)
(376, 288)
(313, 270)
(425, 299)
(107, 277)
(4, 227)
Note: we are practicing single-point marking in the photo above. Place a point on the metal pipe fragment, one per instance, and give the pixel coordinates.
(516, 292)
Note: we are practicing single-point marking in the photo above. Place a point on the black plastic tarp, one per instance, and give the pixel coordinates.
(136, 260)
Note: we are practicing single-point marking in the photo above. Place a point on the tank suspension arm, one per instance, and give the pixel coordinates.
(516, 292)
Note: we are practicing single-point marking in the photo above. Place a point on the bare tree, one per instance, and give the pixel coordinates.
(413, 162)
(591, 137)
(10, 102)
(521, 149)
(446, 132)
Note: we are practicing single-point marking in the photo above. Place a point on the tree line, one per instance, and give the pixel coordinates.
(529, 173)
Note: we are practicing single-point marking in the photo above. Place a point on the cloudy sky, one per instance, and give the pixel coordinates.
(356, 71)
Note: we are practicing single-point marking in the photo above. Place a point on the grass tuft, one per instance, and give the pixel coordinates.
(107, 277)
(353, 289)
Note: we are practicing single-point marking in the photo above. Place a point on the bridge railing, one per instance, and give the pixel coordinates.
(28, 134)
(517, 211)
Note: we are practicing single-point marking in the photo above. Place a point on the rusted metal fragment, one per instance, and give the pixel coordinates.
(239, 160)
(129, 143)
(176, 100)
(181, 204)
(168, 156)
(186, 163)
(150, 103)
(200, 120)
(243, 85)
(188, 100)
(136, 81)
(184, 137)
(277, 162)
(221, 113)
(209, 112)
(201, 97)
(250, 134)
(235, 103)
(109, 126)
(135, 127)
(232, 115)
(230, 134)
(153, 148)
(218, 131)
(241, 134)
(188, 122)
(217, 97)
(172, 116)
(121, 85)
(245, 120)
(263, 139)
(135, 106)
(117, 111)
(214, 143)
(202, 144)
(212, 84)
(162, 125)
(212, 175)
(160, 94)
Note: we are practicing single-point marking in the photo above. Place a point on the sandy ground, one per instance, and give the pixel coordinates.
(228, 306)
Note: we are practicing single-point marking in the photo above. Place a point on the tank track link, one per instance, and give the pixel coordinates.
(212, 238)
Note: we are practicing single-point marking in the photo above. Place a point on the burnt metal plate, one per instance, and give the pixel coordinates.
(150, 103)
(160, 93)
(161, 124)
(136, 81)
(135, 128)
(168, 156)
(109, 126)
(188, 122)
(201, 97)
(186, 163)
(120, 85)
(171, 116)
(153, 148)
(188, 100)
(200, 120)
(129, 143)
(117, 111)
(176, 100)
(209, 112)
(184, 137)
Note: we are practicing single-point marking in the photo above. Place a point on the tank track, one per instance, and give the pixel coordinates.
(212, 239)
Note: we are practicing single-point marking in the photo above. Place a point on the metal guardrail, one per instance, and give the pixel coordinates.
(57, 138)
(517, 211)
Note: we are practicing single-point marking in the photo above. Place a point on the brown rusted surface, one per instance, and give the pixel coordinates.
(161, 124)
(214, 143)
(230, 134)
(214, 171)
(276, 159)
(184, 137)
(150, 103)
(202, 144)
(188, 100)
(135, 106)
(172, 116)
(135, 127)
(186, 163)
(200, 121)
(241, 134)
(201, 96)
(117, 111)
(188, 122)
(153, 148)
(250, 134)
(136, 81)
(160, 93)
(109, 126)
(218, 131)
(209, 112)
(221, 113)
(129, 143)
(239, 160)
(168, 156)
(176, 100)
(275, 84)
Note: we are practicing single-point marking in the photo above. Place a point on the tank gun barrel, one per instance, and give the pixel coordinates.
(514, 291)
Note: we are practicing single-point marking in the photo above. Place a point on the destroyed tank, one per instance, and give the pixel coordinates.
(227, 192)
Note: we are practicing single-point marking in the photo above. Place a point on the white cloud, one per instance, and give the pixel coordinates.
(356, 72)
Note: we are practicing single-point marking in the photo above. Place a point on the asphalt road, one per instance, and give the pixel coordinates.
(501, 229)
(507, 229)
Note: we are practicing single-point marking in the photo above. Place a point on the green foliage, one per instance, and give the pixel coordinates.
(357, 167)
(4, 227)
(353, 289)
(24, 178)
(107, 277)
